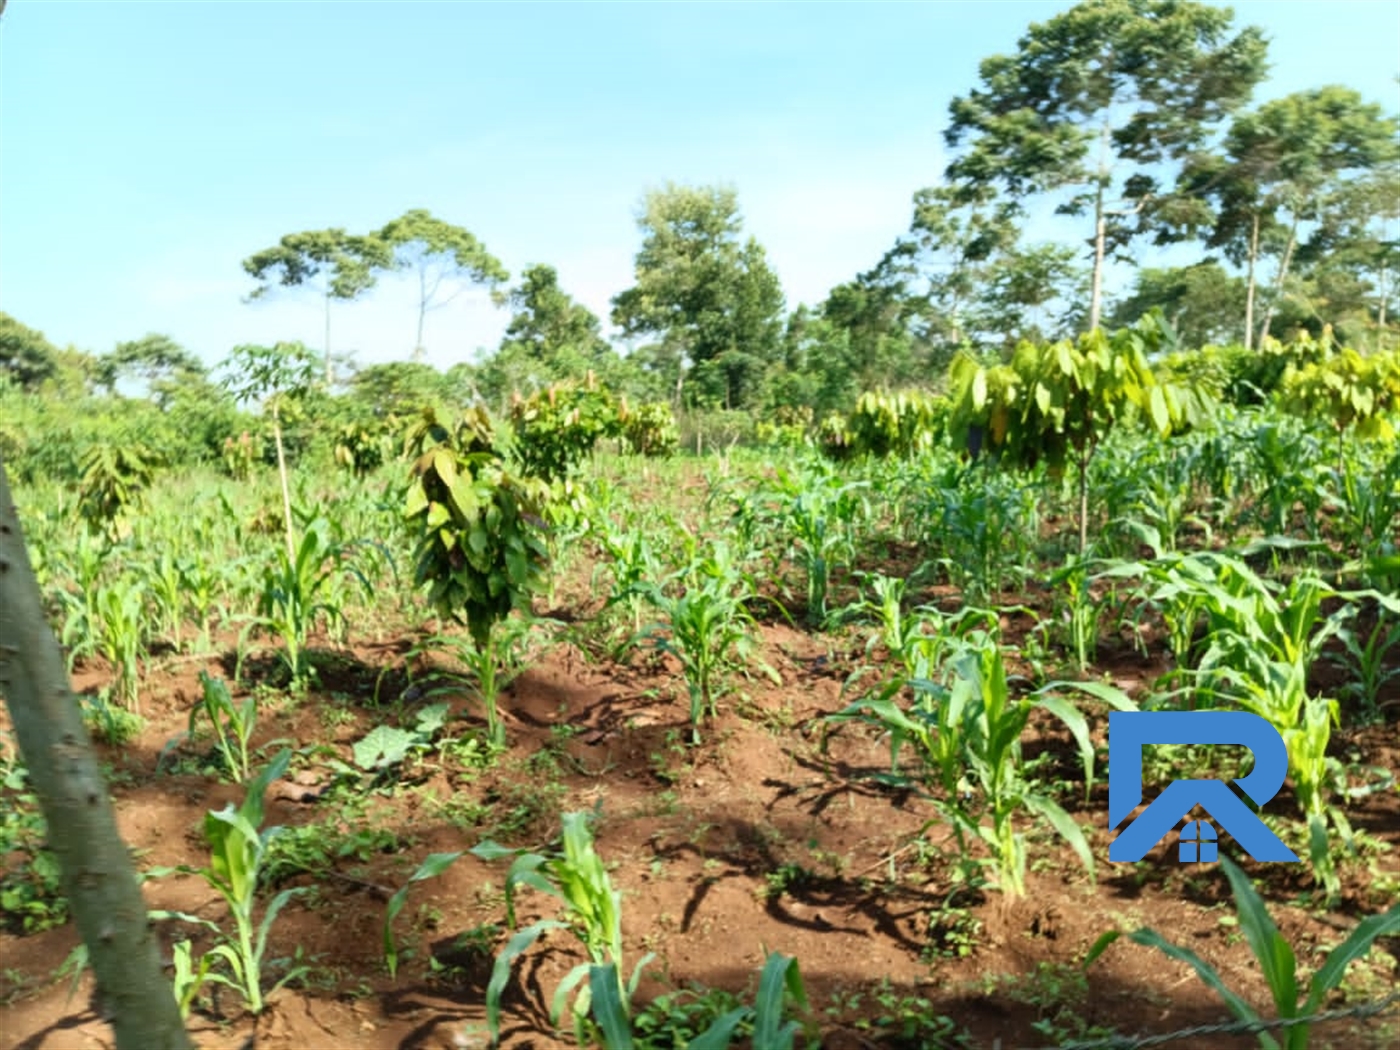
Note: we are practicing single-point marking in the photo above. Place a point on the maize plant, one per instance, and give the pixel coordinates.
(575, 875)
(966, 728)
(238, 846)
(121, 614)
(1295, 998)
(820, 514)
(708, 628)
(294, 594)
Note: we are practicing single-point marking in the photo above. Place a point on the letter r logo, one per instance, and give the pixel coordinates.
(1130, 731)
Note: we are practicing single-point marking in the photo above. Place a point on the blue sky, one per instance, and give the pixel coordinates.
(146, 149)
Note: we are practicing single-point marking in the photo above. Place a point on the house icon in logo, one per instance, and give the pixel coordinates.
(1130, 731)
(1197, 843)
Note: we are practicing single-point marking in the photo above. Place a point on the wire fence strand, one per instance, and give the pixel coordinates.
(1359, 1011)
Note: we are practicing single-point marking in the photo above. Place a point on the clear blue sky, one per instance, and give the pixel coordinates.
(147, 148)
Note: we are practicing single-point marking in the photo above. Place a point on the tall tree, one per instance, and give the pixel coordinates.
(26, 357)
(1023, 287)
(1271, 176)
(439, 254)
(881, 316)
(1353, 255)
(550, 328)
(1094, 103)
(156, 360)
(953, 237)
(345, 265)
(707, 292)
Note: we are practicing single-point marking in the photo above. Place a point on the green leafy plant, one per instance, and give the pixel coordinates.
(1293, 998)
(708, 629)
(649, 429)
(967, 730)
(120, 609)
(1367, 656)
(433, 865)
(1056, 403)
(480, 546)
(31, 890)
(279, 378)
(780, 988)
(557, 428)
(238, 456)
(237, 847)
(819, 512)
(901, 424)
(232, 723)
(296, 591)
(387, 747)
(493, 666)
(576, 876)
(114, 480)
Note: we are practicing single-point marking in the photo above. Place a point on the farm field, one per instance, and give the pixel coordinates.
(674, 679)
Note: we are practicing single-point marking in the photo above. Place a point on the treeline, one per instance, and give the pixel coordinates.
(1127, 122)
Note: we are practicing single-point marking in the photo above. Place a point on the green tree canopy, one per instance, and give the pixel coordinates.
(708, 293)
(1094, 102)
(345, 264)
(440, 255)
(1201, 301)
(156, 360)
(26, 357)
(1272, 175)
(551, 329)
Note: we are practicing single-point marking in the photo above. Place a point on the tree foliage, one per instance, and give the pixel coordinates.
(26, 357)
(479, 545)
(439, 254)
(710, 295)
(1094, 101)
(1269, 176)
(1055, 403)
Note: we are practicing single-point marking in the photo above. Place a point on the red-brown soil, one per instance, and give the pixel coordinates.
(696, 837)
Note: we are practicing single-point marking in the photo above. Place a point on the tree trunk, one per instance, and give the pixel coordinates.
(98, 876)
(286, 491)
(1380, 314)
(1250, 284)
(330, 373)
(1100, 235)
(1282, 276)
(1084, 503)
(1100, 229)
(422, 310)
